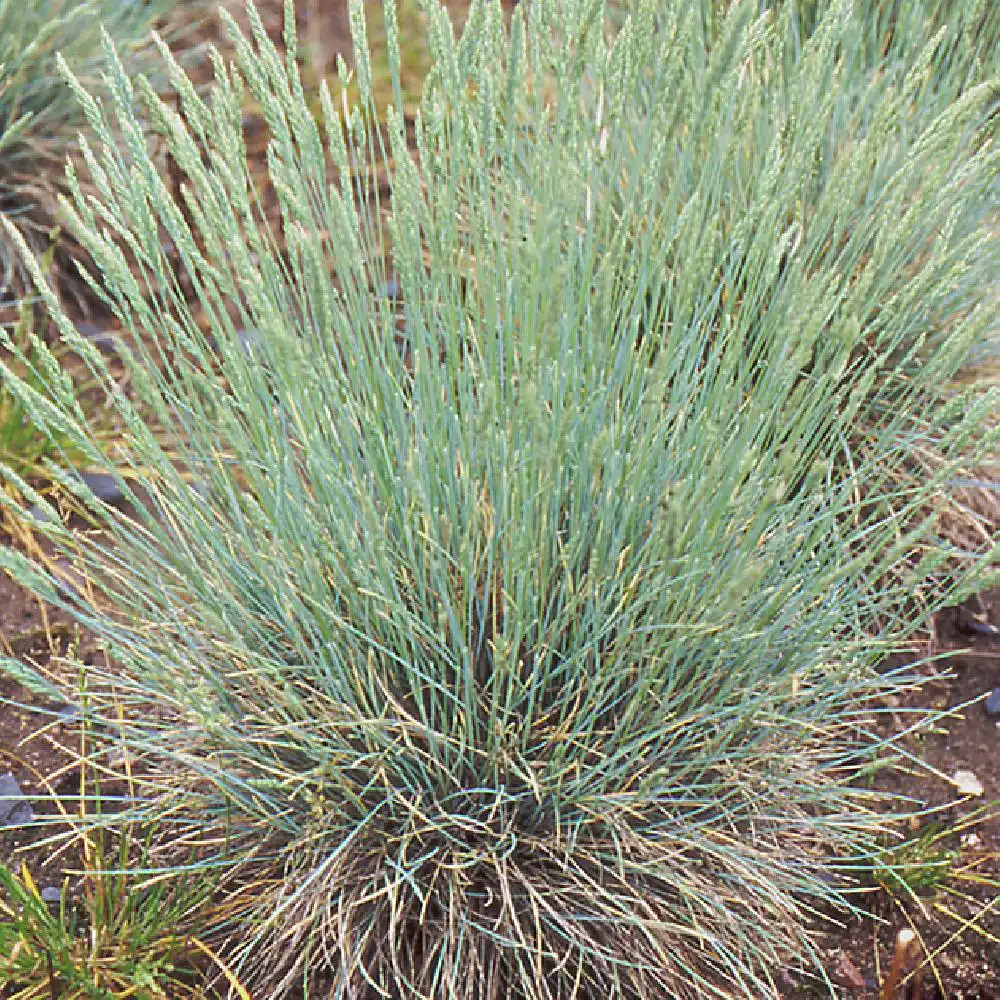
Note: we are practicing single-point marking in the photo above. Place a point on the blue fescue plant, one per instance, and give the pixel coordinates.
(828, 156)
(513, 637)
(39, 118)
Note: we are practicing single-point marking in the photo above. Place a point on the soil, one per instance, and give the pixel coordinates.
(957, 919)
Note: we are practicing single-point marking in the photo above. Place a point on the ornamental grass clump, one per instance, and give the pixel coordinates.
(833, 126)
(39, 117)
(511, 636)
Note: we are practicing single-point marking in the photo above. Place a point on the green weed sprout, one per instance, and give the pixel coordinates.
(513, 637)
(942, 873)
(27, 449)
(110, 932)
(119, 941)
(921, 864)
(23, 446)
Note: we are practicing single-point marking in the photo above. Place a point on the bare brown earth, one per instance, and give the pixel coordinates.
(957, 919)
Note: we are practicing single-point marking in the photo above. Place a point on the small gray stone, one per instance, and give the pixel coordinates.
(993, 702)
(50, 894)
(69, 715)
(974, 626)
(104, 486)
(15, 809)
(101, 338)
(35, 512)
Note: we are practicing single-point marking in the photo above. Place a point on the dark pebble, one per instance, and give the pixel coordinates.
(15, 809)
(993, 702)
(69, 714)
(104, 486)
(104, 340)
(35, 511)
(973, 626)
